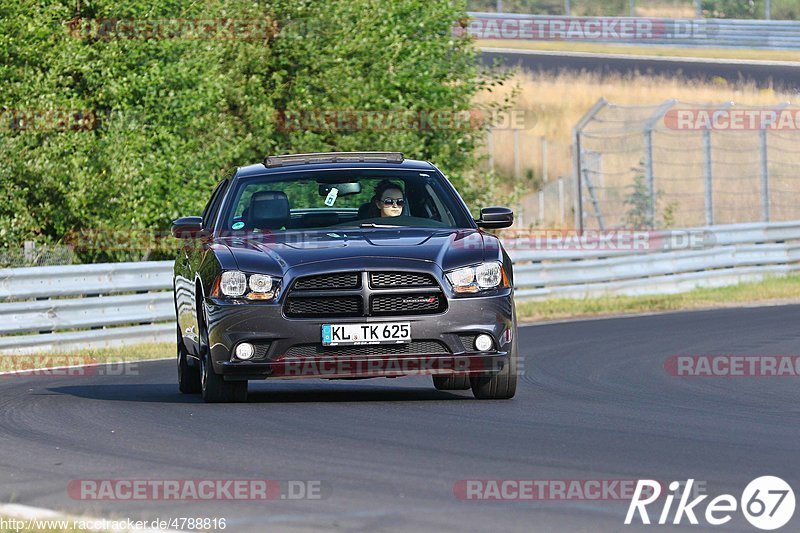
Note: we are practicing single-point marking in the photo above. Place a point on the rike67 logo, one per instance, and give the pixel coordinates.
(767, 503)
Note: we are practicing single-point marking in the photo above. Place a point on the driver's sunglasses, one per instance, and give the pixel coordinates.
(397, 202)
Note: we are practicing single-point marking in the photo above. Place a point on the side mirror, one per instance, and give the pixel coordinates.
(495, 218)
(187, 227)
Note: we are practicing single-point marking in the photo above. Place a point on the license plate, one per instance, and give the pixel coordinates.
(356, 334)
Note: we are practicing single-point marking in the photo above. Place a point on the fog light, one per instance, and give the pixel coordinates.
(245, 351)
(483, 343)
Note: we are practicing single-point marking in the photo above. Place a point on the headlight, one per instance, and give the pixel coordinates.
(235, 284)
(478, 278)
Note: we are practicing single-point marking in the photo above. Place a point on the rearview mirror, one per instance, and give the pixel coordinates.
(187, 227)
(495, 218)
(343, 189)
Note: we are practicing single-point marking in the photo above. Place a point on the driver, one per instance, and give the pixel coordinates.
(389, 199)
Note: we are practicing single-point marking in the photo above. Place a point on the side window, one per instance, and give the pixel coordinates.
(212, 209)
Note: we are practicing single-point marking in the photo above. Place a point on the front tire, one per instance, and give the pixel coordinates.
(188, 376)
(216, 390)
(501, 385)
(213, 387)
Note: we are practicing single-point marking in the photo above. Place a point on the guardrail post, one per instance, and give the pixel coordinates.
(577, 163)
(709, 178)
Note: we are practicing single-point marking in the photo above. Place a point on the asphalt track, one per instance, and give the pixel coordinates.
(595, 403)
(779, 74)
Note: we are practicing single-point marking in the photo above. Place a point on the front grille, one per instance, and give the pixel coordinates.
(407, 304)
(346, 280)
(415, 347)
(332, 306)
(381, 280)
(360, 294)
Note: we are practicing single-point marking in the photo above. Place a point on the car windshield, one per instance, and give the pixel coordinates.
(302, 200)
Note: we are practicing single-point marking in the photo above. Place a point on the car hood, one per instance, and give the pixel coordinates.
(276, 253)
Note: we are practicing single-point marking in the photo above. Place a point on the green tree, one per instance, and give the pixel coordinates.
(165, 118)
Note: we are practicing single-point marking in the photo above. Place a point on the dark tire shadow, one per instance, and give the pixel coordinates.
(260, 392)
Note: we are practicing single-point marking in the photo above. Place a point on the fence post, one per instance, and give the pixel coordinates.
(561, 204)
(577, 172)
(633, 8)
(490, 149)
(567, 8)
(517, 170)
(648, 159)
(29, 252)
(541, 207)
(698, 8)
(649, 178)
(545, 162)
(764, 174)
(767, 9)
(709, 178)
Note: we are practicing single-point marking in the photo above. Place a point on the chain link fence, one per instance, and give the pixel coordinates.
(678, 164)
(36, 254)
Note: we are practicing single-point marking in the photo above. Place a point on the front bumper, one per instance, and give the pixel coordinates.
(264, 324)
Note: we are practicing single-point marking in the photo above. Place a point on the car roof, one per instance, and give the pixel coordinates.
(260, 170)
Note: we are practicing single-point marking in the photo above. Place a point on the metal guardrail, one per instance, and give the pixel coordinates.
(710, 33)
(731, 254)
(62, 308)
(86, 306)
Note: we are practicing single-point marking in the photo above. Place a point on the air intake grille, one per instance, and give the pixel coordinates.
(380, 280)
(416, 347)
(402, 304)
(468, 340)
(334, 306)
(347, 280)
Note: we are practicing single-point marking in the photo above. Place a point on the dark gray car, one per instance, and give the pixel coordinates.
(343, 266)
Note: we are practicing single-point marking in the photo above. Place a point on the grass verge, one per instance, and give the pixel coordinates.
(784, 290)
(633, 50)
(78, 357)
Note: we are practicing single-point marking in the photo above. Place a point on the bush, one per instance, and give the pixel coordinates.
(140, 129)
